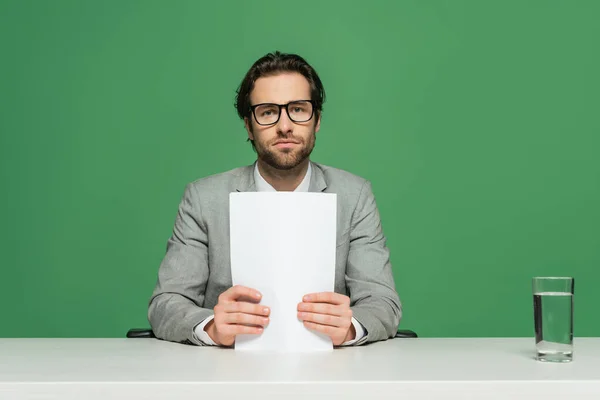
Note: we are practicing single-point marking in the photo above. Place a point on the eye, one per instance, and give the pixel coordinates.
(266, 111)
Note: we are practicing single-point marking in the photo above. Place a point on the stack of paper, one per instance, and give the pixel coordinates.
(283, 245)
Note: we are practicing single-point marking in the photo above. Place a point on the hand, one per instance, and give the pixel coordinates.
(328, 313)
(237, 312)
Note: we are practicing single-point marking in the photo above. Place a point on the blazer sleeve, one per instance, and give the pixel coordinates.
(175, 307)
(373, 297)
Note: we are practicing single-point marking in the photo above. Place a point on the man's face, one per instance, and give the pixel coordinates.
(286, 144)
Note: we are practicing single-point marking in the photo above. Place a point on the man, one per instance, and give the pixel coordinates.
(280, 101)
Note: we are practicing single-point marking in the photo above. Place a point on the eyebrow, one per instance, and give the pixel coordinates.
(288, 102)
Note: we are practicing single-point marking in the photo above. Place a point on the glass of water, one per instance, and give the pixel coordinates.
(553, 318)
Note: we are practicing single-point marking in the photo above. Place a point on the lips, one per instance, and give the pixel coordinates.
(285, 145)
(282, 142)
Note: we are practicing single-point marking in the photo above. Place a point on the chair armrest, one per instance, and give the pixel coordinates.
(140, 333)
(405, 333)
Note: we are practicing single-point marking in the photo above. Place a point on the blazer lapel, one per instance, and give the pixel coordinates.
(246, 180)
(317, 179)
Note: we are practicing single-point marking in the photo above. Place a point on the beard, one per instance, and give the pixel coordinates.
(285, 159)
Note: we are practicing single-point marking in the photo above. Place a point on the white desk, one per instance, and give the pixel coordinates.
(395, 369)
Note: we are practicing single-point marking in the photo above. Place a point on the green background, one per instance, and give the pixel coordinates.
(476, 121)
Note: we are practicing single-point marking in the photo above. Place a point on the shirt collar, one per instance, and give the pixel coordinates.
(263, 186)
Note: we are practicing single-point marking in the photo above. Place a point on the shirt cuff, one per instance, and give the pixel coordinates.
(360, 333)
(201, 335)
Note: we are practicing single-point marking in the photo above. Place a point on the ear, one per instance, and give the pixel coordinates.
(248, 128)
(318, 124)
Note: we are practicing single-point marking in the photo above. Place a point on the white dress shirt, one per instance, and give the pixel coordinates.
(263, 186)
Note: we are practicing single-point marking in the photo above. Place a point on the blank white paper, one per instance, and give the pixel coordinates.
(283, 245)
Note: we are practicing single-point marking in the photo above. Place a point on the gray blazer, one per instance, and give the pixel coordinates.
(196, 268)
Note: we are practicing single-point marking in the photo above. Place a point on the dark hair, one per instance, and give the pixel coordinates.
(272, 64)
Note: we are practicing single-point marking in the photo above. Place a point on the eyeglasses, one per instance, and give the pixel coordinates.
(269, 113)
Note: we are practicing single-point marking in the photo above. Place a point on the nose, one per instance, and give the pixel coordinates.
(285, 124)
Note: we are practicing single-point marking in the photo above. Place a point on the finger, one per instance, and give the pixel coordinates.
(245, 319)
(326, 329)
(238, 292)
(233, 330)
(322, 319)
(324, 308)
(327, 297)
(246, 308)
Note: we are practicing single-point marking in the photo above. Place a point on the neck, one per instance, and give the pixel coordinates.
(283, 180)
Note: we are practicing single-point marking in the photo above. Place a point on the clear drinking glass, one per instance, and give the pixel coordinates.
(553, 318)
